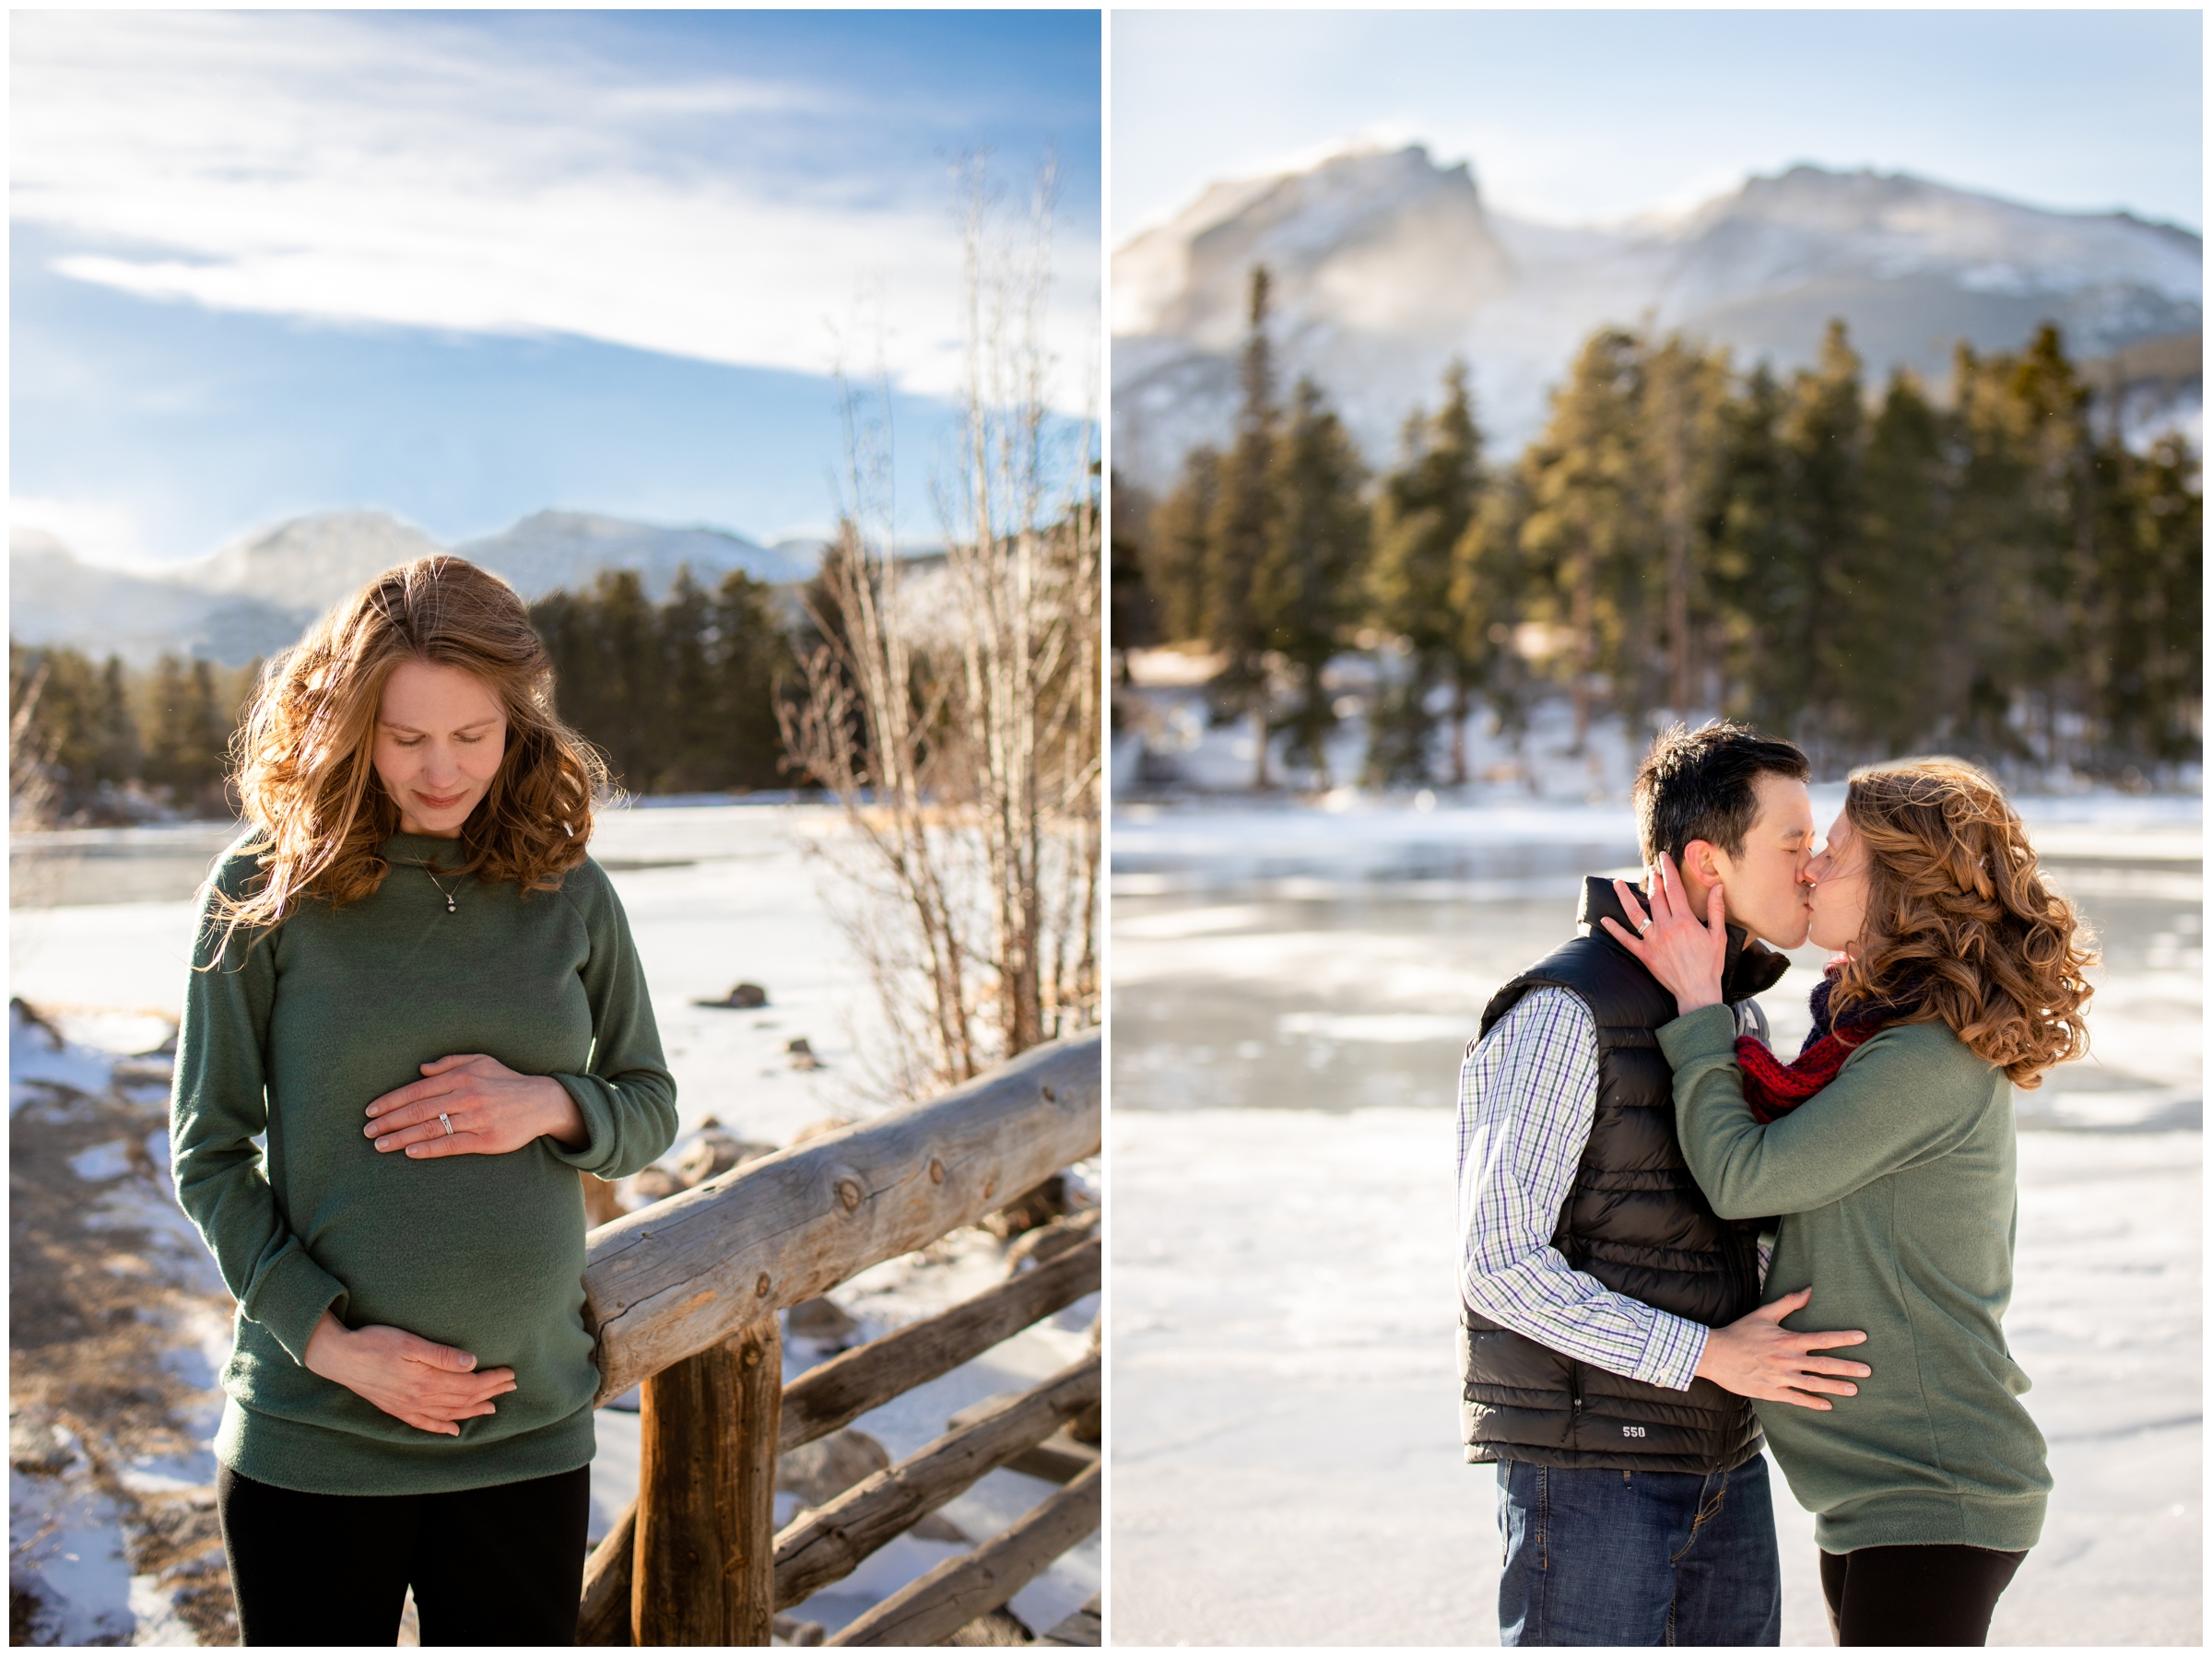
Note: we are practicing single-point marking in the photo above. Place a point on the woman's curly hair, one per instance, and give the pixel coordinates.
(303, 760)
(1959, 921)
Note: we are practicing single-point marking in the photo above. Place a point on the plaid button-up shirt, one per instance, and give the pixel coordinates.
(1527, 1096)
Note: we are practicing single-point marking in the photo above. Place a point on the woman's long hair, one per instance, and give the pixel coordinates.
(304, 756)
(1960, 921)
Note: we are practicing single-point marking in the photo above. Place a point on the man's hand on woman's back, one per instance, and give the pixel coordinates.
(1755, 1356)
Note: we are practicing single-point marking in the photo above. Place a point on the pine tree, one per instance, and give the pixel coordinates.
(1134, 609)
(2148, 636)
(1747, 530)
(1489, 595)
(1239, 532)
(1306, 589)
(2051, 415)
(2010, 543)
(1686, 397)
(753, 666)
(113, 732)
(684, 703)
(1178, 552)
(1981, 572)
(1590, 524)
(1884, 624)
(626, 659)
(1422, 511)
(71, 707)
(168, 757)
(1822, 437)
(824, 627)
(192, 732)
(57, 693)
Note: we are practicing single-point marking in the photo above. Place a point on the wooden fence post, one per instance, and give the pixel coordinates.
(704, 1570)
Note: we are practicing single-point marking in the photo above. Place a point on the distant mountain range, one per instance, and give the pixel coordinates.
(1384, 266)
(258, 594)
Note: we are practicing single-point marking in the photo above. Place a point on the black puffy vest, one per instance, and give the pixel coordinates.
(1636, 1220)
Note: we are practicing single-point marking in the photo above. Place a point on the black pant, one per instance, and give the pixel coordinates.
(1914, 1595)
(499, 1565)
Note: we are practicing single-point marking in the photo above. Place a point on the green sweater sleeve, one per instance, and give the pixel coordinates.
(1884, 1111)
(628, 1098)
(217, 1106)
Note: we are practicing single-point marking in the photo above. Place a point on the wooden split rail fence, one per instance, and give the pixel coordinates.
(684, 1296)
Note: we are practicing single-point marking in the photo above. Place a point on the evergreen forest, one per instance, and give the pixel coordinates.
(1873, 571)
(680, 695)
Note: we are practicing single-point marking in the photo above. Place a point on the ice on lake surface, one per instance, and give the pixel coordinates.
(1291, 992)
(99, 930)
(1308, 959)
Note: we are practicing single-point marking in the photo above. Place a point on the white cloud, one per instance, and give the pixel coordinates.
(346, 169)
(92, 533)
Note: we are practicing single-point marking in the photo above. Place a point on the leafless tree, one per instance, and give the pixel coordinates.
(955, 712)
(32, 797)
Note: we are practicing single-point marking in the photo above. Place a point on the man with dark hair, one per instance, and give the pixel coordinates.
(1610, 1325)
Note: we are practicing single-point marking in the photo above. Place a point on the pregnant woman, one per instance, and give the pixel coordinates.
(1887, 1144)
(412, 980)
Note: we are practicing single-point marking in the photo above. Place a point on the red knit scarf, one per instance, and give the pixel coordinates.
(1773, 1089)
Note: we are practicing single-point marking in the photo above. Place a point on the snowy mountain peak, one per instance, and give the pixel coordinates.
(37, 544)
(1378, 240)
(309, 562)
(552, 549)
(257, 596)
(1894, 224)
(1386, 265)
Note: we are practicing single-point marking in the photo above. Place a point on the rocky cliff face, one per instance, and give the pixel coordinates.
(1379, 244)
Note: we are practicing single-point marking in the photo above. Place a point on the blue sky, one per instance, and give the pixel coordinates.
(1582, 116)
(465, 266)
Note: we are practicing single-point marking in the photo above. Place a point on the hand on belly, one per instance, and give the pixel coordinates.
(430, 1386)
(469, 1104)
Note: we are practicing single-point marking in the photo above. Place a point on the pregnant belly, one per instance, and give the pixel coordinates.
(485, 1253)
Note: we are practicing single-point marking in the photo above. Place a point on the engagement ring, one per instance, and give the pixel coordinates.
(448, 1122)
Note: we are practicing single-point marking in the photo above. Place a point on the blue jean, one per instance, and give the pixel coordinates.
(1594, 1557)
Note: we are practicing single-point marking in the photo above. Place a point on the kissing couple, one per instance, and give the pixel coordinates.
(1676, 1246)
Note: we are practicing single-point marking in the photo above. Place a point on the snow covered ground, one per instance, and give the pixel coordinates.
(1166, 740)
(715, 895)
(1165, 749)
(1291, 991)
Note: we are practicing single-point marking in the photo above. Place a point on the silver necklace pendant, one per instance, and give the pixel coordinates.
(441, 891)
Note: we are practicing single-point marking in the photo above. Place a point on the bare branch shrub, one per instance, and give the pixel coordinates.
(32, 795)
(954, 713)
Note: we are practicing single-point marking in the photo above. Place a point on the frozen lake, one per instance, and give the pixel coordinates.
(1292, 990)
(99, 930)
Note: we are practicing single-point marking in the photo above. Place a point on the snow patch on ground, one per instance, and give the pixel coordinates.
(37, 1053)
(102, 1162)
(65, 1548)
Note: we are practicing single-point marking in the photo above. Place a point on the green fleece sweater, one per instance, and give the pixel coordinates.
(1897, 1182)
(293, 1036)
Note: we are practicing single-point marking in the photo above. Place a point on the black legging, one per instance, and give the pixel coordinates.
(497, 1566)
(1914, 1595)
